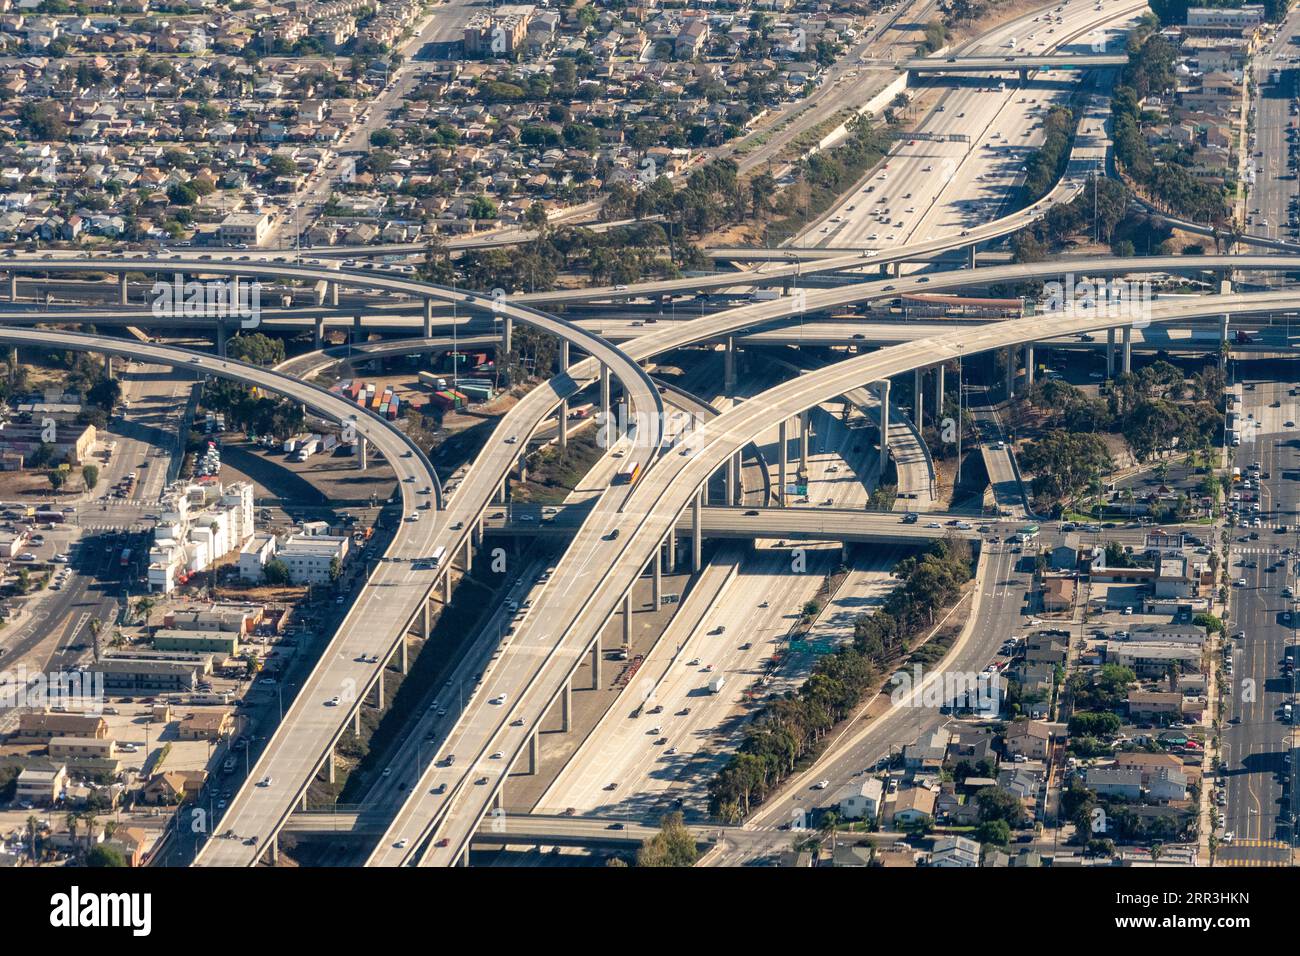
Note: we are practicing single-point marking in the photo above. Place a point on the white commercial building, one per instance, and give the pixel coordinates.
(310, 556)
(197, 525)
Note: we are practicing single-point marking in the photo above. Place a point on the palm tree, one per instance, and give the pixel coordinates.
(71, 820)
(31, 837)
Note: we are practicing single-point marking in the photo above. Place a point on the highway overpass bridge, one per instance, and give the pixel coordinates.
(512, 829)
(1022, 65)
(789, 524)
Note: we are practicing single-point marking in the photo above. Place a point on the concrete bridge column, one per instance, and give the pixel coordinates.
(507, 334)
(658, 563)
(1011, 372)
(1225, 282)
(672, 550)
(274, 850)
(738, 469)
(379, 689)
(523, 469)
(1029, 364)
(364, 449)
(604, 393)
(356, 329)
(595, 664)
(697, 558)
(403, 652)
(918, 397)
(938, 394)
(329, 766)
(108, 366)
(356, 722)
(123, 292)
(729, 368)
(334, 294)
(428, 318)
(319, 337)
(884, 424)
(446, 587)
(627, 618)
(970, 256)
(564, 404)
(1128, 349)
(804, 423)
(1110, 353)
(221, 338)
(533, 756)
(566, 706)
(1223, 341)
(729, 495)
(783, 442)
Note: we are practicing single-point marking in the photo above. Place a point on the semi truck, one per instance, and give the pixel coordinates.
(716, 683)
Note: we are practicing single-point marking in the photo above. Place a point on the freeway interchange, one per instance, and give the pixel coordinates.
(610, 540)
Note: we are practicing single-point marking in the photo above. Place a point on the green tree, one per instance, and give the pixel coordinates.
(673, 845)
(90, 476)
(993, 831)
(58, 477)
(276, 573)
(105, 856)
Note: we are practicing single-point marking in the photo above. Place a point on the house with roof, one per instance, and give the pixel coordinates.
(861, 799)
(914, 805)
(955, 851)
(1031, 738)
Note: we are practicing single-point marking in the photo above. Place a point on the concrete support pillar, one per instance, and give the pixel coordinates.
(938, 395)
(729, 367)
(604, 392)
(1011, 372)
(123, 291)
(446, 587)
(523, 469)
(595, 664)
(274, 849)
(1223, 329)
(658, 565)
(918, 397)
(566, 706)
(357, 335)
(1110, 353)
(501, 493)
(783, 441)
(729, 494)
(379, 690)
(356, 722)
(884, 424)
(363, 450)
(970, 257)
(334, 294)
(302, 802)
(672, 551)
(108, 366)
(1029, 364)
(627, 618)
(319, 337)
(697, 543)
(404, 652)
(804, 428)
(564, 404)
(428, 318)
(329, 766)
(1128, 349)
(507, 334)
(221, 338)
(533, 756)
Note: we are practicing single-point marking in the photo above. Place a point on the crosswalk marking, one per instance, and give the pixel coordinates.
(1249, 863)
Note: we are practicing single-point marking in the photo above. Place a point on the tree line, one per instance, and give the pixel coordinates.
(792, 728)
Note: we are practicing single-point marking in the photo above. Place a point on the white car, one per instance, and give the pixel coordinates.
(499, 699)
(332, 702)
(821, 784)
